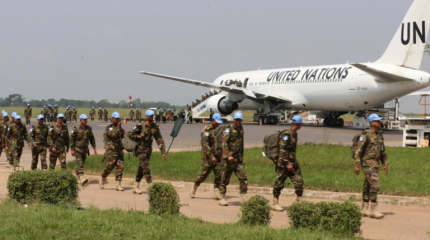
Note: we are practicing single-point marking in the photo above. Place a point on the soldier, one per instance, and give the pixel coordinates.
(4, 125)
(49, 113)
(54, 114)
(15, 136)
(232, 147)
(9, 155)
(114, 152)
(138, 114)
(175, 115)
(131, 115)
(44, 113)
(211, 114)
(180, 113)
(370, 154)
(66, 113)
(206, 96)
(69, 115)
(144, 133)
(287, 165)
(58, 142)
(215, 92)
(75, 115)
(100, 113)
(203, 98)
(190, 117)
(38, 137)
(211, 93)
(198, 102)
(81, 136)
(211, 159)
(92, 112)
(105, 115)
(157, 115)
(164, 116)
(193, 105)
(27, 114)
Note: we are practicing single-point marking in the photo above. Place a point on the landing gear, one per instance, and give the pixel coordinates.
(333, 122)
(269, 120)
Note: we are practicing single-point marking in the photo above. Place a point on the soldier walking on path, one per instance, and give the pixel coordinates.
(370, 154)
(144, 133)
(114, 152)
(27, 114)
(15, 137)
(131, 115)
(232, 154)
(4, 125)
(49, 113)
(81, 136)
(75, 115)
(44, 113)
(55, 113)
(100, 113)
(287, 165)
(58, 142)
(211, 159)
(138, 114)
(92, 113)
(105, 115)
(39, 138)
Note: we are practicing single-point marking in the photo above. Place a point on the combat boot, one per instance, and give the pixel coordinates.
(193, 191)
(136, 189)
(374, 213)
(244, 197)
(118, 186)
(12, 168)
(365, 209)
(223, 201)
(102, 182)
(216, 194)
(275, 206)
(83, 179)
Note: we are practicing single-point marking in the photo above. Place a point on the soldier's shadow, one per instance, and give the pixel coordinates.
(388, 213)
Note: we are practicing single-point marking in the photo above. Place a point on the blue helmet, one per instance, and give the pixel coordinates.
(238, 115)
(83, 116)
(93, 107)
(13, 114)
(149, 112)
(4, 113)
(40, 116)
(17, 117)
(73, 107)
(115, 115)
(217, 118)
(28, 104)
(60, 115)
(100, 107)
(297, 119)
(374, 117)
(44, 106)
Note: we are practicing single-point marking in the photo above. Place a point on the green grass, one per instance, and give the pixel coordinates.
(324, 167)
(53, 222)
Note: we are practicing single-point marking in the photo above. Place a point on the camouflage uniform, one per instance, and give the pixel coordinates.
(27, 114)
(79, 140)
(105, 115)
(131, 115)
(58, 138)
(49, 116)
(287, 155)
(44, 112)
(144, 147)
(38, 136)
(209, 152)
(138, 115)
(92, 112)
(16, 134)
(114, 152)
(75, 115)
(3, 130)
(100, 113)
(232, 145)
(370, 154)
(66, 114)
(54, 114)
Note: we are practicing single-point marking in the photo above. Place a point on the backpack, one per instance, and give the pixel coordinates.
(355, 140)
(219, 132)
(271, 146)
(129, 143)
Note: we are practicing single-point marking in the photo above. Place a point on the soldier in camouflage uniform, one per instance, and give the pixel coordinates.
(27, 114)
(49, 113)
(74, 115)
(144, 133)
(9, 155)
(232, 145)
(370, 154)
(92, 112)
(100, 113)
(81, 136)
(66, 114)
(58, 142)
(211, 93)
(15, 136)
(139, 116)
(114, 152)
(287, 165)
(38, 137)
(131, 115)
(54, 114)
(4, 125)
(105, 115)
(211, 159)
(44, 112)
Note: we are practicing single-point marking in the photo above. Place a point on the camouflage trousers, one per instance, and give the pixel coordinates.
(60, 154)
(27, 120)
(143, 169)
(81, 156)
(207, 168)
(74, 118)
(15, 155)
(35, 153)
(114, 160)
(239, 169)
(131, 119)
(295, 176)
(92, 117)
(100, 118)
(105, 118)
(371, 184)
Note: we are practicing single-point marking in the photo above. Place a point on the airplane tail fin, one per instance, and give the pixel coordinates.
(407, 47)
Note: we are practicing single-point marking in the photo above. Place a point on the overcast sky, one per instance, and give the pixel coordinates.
(92, 50)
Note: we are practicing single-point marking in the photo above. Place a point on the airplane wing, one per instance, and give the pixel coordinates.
(381, 76)
(233, 89)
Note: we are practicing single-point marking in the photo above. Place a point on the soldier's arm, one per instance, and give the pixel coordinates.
(361, 148)
(283, 151)
(25, 134)
(73, 139)
(206, 137)
(135, 132)
(384, 158)
(67, 140)
(160, 141)
(225, 140)
(92, 139)
(50, 139)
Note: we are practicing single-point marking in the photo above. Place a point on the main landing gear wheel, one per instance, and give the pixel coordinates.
(331, 122)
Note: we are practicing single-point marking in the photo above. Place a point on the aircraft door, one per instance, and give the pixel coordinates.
(351, 81)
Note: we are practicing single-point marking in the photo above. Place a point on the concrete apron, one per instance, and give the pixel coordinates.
(342, 196)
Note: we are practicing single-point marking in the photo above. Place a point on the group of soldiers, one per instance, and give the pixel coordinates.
(204, 97)
(168, 115)
(102, 113)
(223, 161)
(138, 115)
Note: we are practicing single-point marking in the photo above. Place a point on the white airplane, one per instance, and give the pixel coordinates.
(334, 89)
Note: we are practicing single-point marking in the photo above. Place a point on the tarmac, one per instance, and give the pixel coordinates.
(405, 218)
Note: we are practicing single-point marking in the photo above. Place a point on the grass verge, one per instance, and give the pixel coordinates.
(324, 167)
(54, 222)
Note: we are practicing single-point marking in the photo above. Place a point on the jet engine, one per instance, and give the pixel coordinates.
(221, 104)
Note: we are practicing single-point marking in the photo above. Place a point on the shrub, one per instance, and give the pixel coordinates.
(53, 186)
(343, 218)
(163, 199)
(256, 211)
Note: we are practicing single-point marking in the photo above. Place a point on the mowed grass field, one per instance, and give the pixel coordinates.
(324, 167)
(57, 222)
